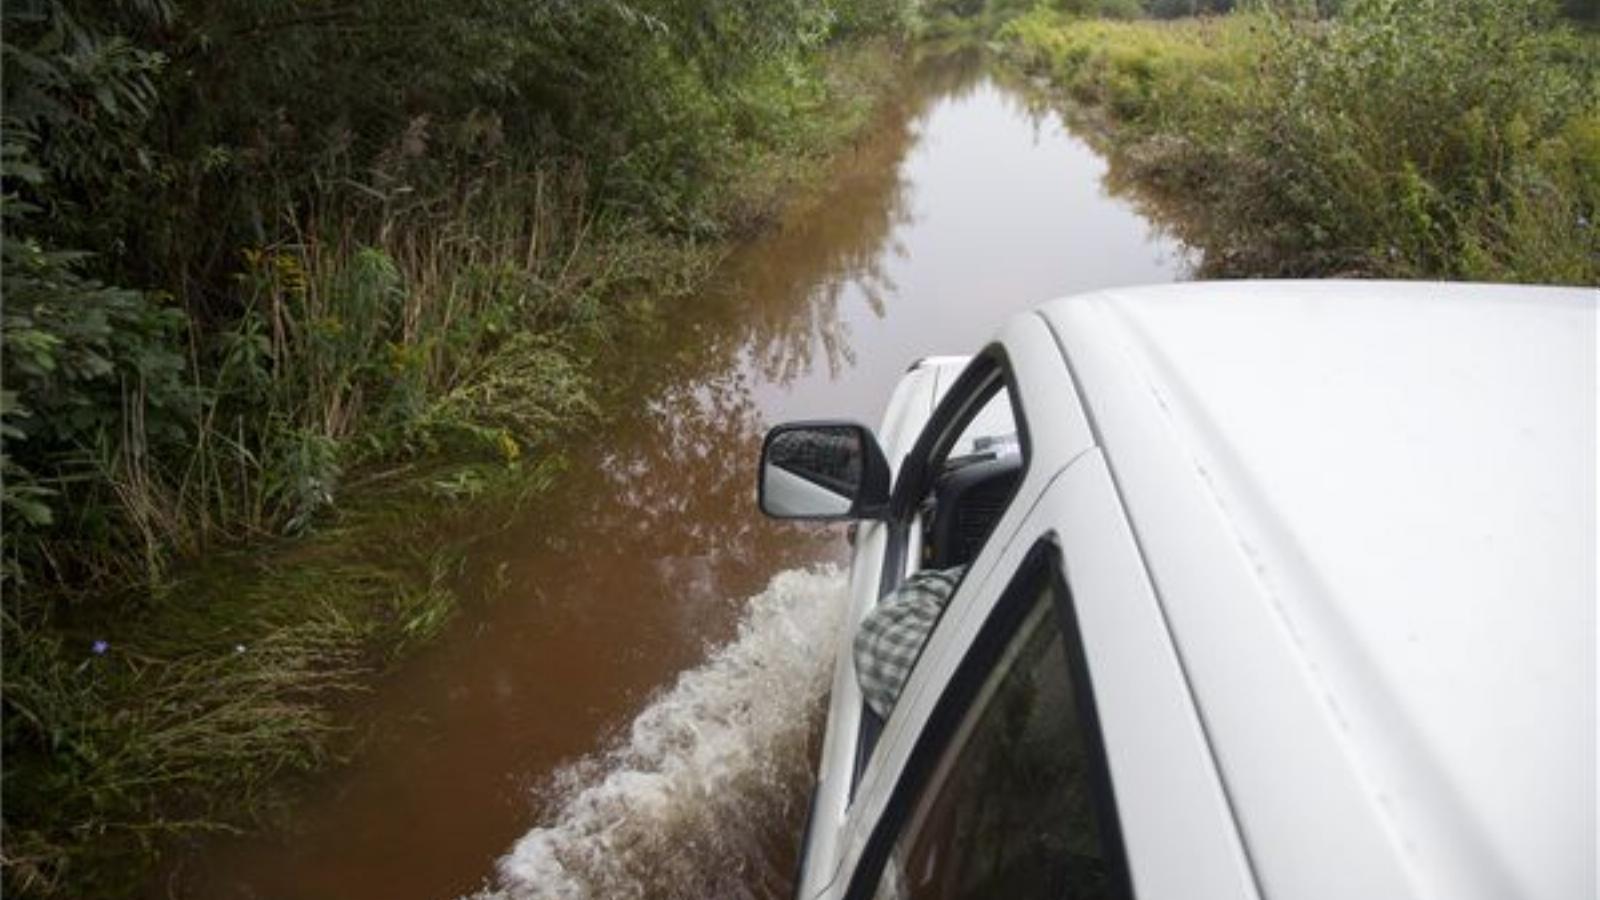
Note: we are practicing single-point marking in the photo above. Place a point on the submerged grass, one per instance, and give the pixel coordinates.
(152, 718)
(421, 359)
(1426, 138)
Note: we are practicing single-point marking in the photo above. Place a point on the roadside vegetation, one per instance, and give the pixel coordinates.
(1451, 139)
(286, 285)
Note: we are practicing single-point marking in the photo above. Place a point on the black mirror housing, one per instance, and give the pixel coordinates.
(827, 470)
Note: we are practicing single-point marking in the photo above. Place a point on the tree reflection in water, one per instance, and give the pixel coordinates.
(676, 479)
(791, 284)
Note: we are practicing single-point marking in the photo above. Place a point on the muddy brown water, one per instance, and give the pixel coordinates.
(635, 713)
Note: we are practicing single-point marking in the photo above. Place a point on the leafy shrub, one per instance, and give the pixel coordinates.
(240, 234)
(1429, 137)
(255, 251)
(1147, 74)
(1409, 138)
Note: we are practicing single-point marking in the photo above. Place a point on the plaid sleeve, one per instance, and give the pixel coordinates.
(890, 638)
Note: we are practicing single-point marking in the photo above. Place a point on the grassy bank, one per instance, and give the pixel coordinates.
(288, 299)
(1432, 139)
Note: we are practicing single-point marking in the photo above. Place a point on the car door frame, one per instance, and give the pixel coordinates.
(1170, 806)
(988, 371)
(1036, 376)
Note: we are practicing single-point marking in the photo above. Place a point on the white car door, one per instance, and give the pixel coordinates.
(1046, 743)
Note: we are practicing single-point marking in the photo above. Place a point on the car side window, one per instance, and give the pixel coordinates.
(958, 481)
(971, 481)
(1008, 808)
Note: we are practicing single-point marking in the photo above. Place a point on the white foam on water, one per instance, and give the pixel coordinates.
(710, 783)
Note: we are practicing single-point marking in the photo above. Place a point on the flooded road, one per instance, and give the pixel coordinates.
(635, 713)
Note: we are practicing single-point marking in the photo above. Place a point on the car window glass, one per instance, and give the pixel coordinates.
(972, 473)
(992, 431)
(971, 484)
(1008, 811)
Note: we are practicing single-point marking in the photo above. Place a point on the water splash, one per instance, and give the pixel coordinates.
(705, 793)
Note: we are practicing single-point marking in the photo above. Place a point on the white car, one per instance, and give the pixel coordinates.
(1273, 589)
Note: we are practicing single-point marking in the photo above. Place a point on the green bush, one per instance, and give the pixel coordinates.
(256, 252)
(241, 234)
(1408, 138)
(1431, 138)
(1147, 74)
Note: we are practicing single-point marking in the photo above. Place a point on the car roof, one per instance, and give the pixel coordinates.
(1368, 509)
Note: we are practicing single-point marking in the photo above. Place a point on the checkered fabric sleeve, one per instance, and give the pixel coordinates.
(891, 636)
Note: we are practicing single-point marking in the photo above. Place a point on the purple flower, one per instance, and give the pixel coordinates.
(99, 648)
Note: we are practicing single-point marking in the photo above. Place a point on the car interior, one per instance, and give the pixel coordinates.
(965, 504)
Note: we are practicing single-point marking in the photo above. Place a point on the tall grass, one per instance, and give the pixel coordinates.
(124, 732)
(1147, 74)
(355, 341)
(1424, 138)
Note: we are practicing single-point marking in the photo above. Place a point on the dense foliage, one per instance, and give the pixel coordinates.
(998, 12)
(1406, 138)
(1581, 11)
(241, 232)
(255, 250)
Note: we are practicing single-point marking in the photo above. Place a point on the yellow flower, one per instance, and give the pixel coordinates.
(509, 448)
(290, 273)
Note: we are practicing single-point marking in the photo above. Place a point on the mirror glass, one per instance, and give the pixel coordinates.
(812, 471)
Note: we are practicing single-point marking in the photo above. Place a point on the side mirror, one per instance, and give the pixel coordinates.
(823, 470)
